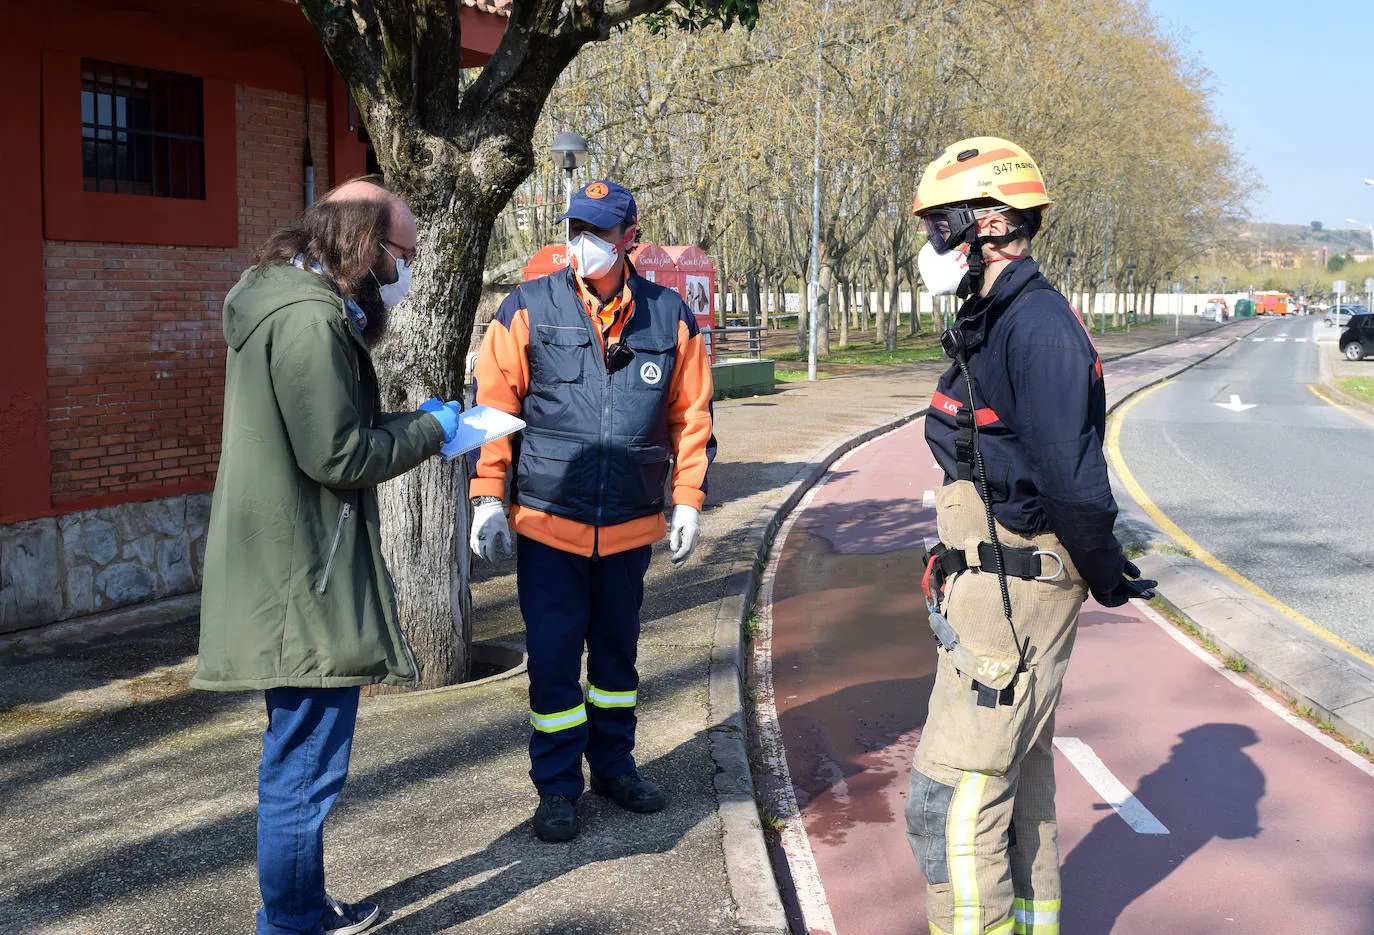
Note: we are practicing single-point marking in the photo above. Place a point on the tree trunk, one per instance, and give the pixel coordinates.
(843, 291)
(915, 323)
(425, 512)
(803, 313)
(755, 299)
(823, 304)
(894, 301)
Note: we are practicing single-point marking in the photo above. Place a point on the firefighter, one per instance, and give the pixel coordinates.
(612, 377)
(1026, 519)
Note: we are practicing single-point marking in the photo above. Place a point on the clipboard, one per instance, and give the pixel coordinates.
(478, 426)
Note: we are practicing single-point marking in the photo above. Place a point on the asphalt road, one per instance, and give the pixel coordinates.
(1277, 492)
(1257, 824)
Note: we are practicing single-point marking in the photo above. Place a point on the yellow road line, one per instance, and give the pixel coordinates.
(1171, 529)
(1345, 409)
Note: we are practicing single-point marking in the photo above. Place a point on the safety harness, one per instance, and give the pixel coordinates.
(959, 342)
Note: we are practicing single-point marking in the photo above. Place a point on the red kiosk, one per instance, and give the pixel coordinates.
(695, 281)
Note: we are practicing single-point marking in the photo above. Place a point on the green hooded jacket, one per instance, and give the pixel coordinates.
(296, 592)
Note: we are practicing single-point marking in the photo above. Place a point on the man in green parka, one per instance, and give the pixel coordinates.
(297, 601)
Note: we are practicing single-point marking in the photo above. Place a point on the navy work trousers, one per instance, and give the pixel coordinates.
(305, 752)
(569, 602)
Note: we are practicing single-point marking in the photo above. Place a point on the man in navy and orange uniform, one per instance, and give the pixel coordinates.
(612, 378)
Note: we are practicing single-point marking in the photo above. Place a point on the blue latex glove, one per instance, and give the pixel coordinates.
(446, 413)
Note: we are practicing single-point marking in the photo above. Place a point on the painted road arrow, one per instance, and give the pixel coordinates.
(1235, 405)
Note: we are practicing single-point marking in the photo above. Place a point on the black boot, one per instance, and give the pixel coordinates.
(555, 819)
(631, 792)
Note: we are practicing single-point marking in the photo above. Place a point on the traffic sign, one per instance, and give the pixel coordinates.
(1369, 284)
(1338, 287)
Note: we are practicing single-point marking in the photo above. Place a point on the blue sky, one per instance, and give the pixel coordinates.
(1295, 83)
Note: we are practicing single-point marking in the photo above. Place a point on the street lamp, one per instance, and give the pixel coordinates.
(569, 154)
(1130, 293)
(1069, 257)
(1196, 286)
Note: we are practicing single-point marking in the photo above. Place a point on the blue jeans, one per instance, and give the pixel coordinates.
(305, 752)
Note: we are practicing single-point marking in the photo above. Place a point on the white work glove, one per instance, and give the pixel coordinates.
(490, 530)
(685, 532)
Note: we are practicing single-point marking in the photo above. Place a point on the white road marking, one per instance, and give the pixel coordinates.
(1300, 340)
(1257, 339)
(1281, 340)
(928, 500)
(1235, 405)
(1109, 787)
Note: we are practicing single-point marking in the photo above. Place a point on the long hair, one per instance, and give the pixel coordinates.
(341, 235)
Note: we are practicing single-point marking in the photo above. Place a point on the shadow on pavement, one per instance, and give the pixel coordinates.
(517, 862)
(1223, 790)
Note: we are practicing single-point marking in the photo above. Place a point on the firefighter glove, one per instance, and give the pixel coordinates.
(1129, 587)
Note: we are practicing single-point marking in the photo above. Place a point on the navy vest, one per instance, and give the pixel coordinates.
(596, 446)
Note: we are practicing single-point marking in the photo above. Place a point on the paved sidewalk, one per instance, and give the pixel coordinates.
(127, 801)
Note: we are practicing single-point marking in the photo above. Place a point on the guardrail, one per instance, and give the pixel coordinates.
(734, 342)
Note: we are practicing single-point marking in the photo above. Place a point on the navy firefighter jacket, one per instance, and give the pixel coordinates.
(1041, 409)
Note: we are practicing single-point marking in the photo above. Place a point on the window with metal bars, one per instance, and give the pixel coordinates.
(142, 131)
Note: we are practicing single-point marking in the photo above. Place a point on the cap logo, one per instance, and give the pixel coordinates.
(651, 373)
(597, 190)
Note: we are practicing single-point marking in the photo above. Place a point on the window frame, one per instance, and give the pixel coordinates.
(71, 213)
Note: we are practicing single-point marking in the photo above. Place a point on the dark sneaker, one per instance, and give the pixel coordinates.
(631, 792)
(348, 918)
(556, 819)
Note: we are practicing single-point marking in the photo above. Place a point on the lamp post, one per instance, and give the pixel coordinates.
(569, 154)
(1196, 287)
(1169, 278)
(1130, 293)
(1069, 257)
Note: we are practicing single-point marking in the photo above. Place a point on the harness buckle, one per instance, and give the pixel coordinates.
(1058, 558)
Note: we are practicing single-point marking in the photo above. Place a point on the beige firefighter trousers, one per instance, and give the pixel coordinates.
(980, 806)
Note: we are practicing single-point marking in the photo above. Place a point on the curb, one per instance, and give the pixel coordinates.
(1295, 664)
(753, 884)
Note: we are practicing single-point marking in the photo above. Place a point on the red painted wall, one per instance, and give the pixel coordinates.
(135, 349)
(112, 359)
(23, 376)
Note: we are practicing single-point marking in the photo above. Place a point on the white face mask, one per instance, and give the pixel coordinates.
(943, 273)
(394, 293)
(591, 256)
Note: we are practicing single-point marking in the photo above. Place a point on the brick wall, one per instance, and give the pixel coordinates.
(135, 351)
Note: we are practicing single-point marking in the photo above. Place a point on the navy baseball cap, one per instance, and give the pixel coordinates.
(602, 204)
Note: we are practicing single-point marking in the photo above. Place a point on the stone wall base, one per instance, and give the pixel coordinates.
(100, 560)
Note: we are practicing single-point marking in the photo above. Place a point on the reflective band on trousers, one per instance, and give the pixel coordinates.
(605, 699)
(960, 835)
(1004, 929)
(1037, 916)
(552, 723)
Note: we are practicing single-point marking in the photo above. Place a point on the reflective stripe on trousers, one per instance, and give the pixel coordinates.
(552, 723)
(1037, 916)
(605, 699)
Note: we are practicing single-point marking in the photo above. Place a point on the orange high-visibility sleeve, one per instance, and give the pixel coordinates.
(689, 415)
(503, 380)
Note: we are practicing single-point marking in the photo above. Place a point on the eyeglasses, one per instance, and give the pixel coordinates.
(408, 255)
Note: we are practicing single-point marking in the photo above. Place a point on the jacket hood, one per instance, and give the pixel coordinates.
(261, 293)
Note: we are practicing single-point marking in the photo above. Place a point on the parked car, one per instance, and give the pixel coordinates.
(1357, 340)
(1341, 314)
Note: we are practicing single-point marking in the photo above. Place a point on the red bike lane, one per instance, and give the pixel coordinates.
(1266, 827)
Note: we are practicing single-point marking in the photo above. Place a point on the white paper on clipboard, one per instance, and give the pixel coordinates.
(479, 425)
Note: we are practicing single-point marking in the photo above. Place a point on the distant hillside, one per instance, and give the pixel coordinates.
(1298, 236)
